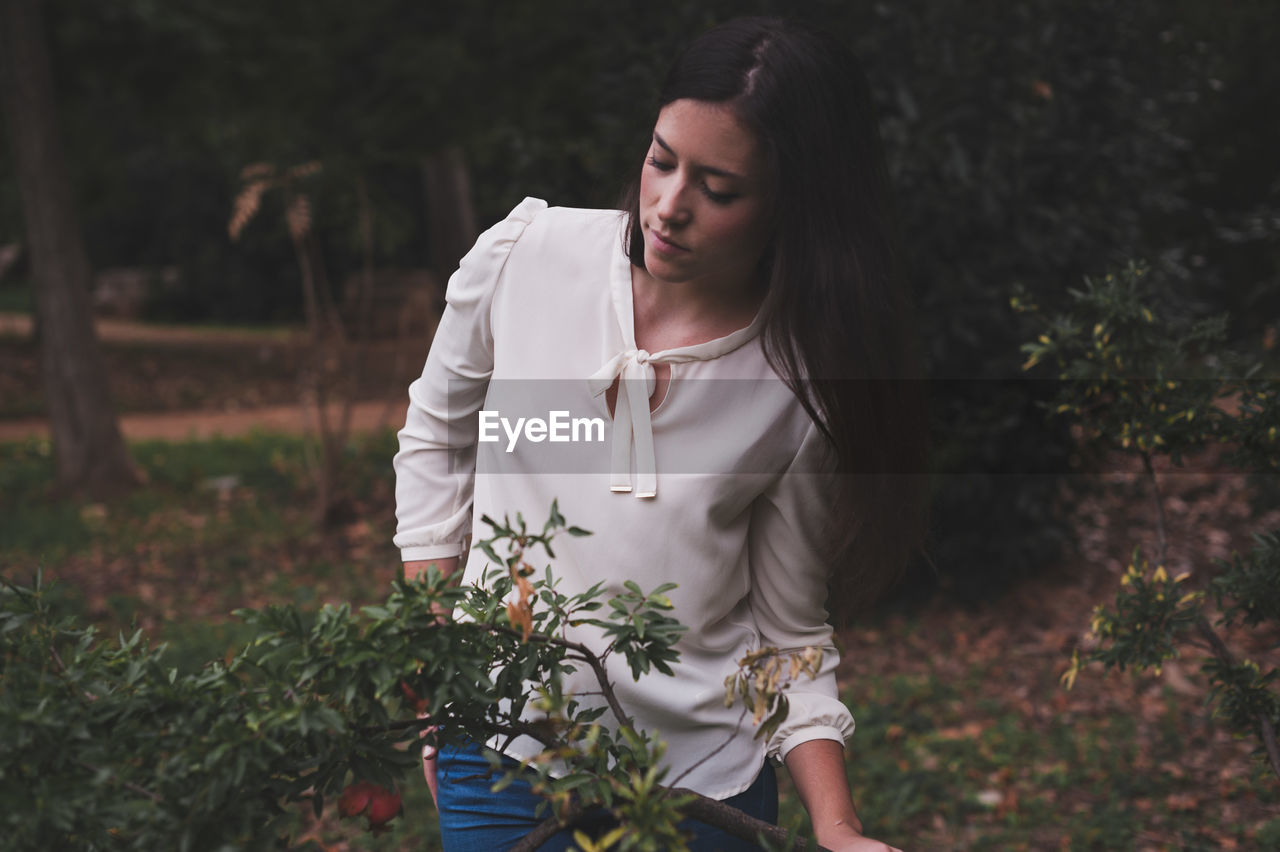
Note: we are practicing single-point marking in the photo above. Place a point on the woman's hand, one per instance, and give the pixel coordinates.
(846, 839)
(412, 571)
(429, 765)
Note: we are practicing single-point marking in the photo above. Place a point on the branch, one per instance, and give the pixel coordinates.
(513, 729)
(65, 674)
(1159, 501)
(712, 812)
(729, 819)
(715, 813)
(606, 687)
(1269, 739)
(736, 730)
(547, 829)
(585, 655)
(1216, 645)
(1224, 655)
(128, 785)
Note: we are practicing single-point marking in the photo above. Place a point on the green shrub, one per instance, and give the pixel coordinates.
(1150, 385)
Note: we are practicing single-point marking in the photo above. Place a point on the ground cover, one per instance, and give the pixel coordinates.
(965, 739)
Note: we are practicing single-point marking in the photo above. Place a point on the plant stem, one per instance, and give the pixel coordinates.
(584, 655)
(1216, 645)
(547, 829)
(735, 822)
(128, 785)
(64, 673)
(1224, 655)
(1161, 539)
(514, 729)
(737, 729)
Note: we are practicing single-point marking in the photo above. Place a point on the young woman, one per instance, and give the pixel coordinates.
(742, 327)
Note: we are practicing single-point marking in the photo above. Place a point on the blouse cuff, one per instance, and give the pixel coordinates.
(422, 552)
(812, 716)
(818, 732)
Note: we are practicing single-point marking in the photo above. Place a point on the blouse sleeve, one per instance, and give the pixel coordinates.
(789, 590)
(435, 467)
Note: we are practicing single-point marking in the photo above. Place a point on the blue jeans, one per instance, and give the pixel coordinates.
(473, 819)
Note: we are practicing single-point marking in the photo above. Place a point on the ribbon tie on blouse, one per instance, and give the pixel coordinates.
(631, 423)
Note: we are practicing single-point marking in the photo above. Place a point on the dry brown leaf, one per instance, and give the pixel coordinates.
(305, 169)
(245, 207)
(521, 616)
(257, 171)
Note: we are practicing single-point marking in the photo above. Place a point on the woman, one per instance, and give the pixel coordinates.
(743, 328)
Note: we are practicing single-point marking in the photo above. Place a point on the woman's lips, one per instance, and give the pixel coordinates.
(665, 244)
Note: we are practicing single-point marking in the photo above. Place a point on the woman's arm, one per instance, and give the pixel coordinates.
(435, 465)
(817, 769)
(412, 571)
(446, 566)
(790, 523)
(415, 569)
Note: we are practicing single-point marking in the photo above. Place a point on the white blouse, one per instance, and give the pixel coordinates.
(721, 489)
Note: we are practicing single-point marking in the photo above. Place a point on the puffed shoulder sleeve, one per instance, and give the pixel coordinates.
(435, 467)
(789, 523)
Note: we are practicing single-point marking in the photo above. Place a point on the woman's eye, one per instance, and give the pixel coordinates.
(718, 197)
(715, 197)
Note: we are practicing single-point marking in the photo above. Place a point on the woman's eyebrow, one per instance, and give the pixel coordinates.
(711, 170)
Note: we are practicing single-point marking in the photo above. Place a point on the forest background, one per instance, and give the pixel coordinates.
(1030, 144)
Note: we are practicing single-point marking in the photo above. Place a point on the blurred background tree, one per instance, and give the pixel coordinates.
(92, 457)
(1030, 142)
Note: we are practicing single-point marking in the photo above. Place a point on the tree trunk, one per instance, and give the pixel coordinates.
(451, 218)
(91, 454)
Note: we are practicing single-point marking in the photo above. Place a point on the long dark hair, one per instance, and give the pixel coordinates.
(838, 315)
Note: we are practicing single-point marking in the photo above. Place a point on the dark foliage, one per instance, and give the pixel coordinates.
(1030, 142)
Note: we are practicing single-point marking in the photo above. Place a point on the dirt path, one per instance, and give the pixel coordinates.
(185, 425)
(129, 331)
(202, 423)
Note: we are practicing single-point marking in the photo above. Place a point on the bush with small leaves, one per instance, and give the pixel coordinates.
(1150, 385)
(103, 744)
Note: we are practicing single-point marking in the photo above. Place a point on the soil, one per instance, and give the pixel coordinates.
(186, 425)
(178, 382)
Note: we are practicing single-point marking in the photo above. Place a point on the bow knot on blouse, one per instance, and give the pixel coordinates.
(637, 380)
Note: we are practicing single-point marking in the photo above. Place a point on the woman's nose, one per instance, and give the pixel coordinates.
(671, 206)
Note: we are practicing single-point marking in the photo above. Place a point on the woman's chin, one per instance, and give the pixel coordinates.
(661, 268)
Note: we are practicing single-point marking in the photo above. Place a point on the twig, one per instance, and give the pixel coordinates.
(62, 670)
(1161, 539)
(729, 819)
(584, 655)
(1269, 738)
(514, 729)
(128, 785)
(736, 730)
(547, 829)
(1224, 655)
(1216, 645)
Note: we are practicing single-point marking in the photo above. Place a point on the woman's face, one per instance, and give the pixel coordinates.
(704, 197)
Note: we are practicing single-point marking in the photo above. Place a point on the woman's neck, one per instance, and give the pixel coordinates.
(685, 313)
